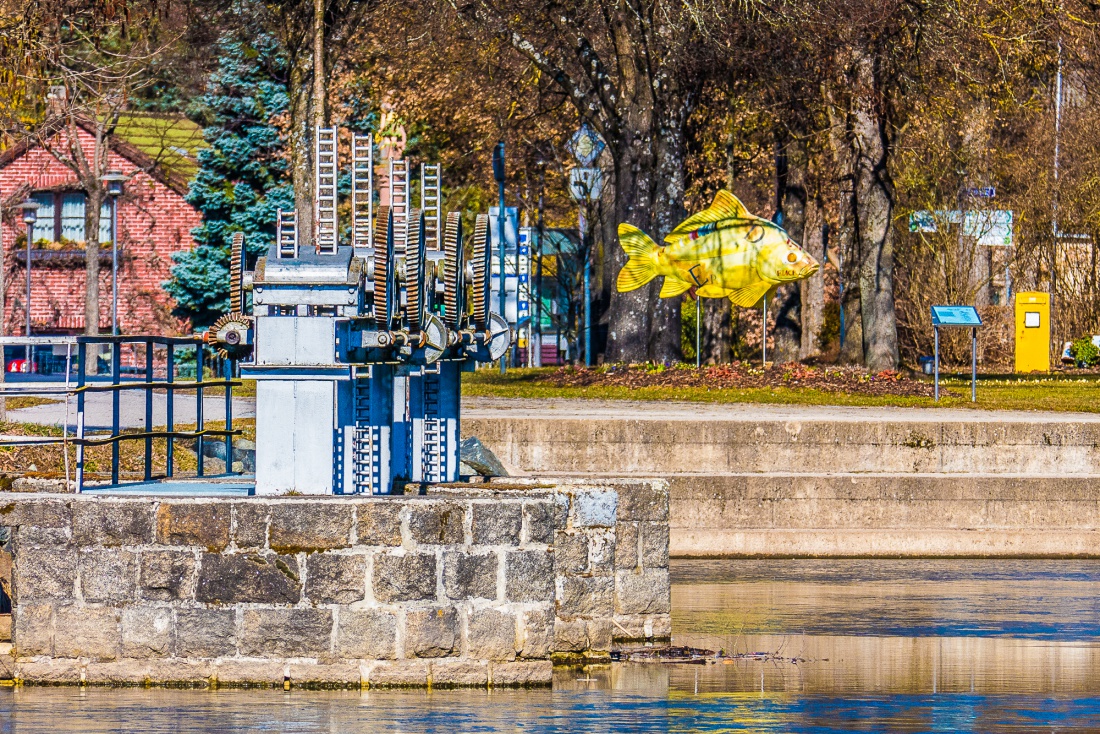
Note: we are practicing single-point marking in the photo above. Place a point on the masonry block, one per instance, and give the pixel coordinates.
(642, 592)
(370, 634)
(206, 633)
(399, 674)
(431, 633)
(89, 632)
(147, 632)
(286, 632)
(202, 524)
(45, 574)
(409, 577)
(654, 544)
(297, 527)
(541, 519)
(331, 676)
(437, 523)
(497, 523)
(108, 576)
(643, 502)
(166, 575)
(626, 545)
(491, 635)
(379, 523)
(570, 635)
(32, 630)
(571, 551)
(601, 552)
(249, 674)
(521, 674)
(250, 524)
(595, 508)
(336, 579)
(50, 672)
(470, 575)
(41, 514)
(248, 578)
(587, 596)
(529, 576)
(536, 633)
(112, 523)
(459, 673)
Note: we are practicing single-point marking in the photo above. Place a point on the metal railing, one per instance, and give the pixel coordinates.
(154, 375)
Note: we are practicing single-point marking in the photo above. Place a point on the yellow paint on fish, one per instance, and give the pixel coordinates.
(721, 252)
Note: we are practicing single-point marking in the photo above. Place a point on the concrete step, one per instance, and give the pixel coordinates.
(912, 514)
(640, 445)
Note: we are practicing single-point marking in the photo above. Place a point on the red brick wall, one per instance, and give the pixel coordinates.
(154, 222)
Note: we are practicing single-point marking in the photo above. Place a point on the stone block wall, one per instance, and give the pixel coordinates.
(460, 587)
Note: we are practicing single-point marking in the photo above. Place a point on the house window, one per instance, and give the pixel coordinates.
(61, 218)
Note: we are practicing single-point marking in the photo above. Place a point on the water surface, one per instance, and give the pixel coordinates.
(900, 646)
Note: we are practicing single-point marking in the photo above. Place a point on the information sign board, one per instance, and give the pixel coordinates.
(955, 316)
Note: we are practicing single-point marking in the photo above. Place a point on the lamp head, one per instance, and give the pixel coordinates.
(30, 211)
(114, 180)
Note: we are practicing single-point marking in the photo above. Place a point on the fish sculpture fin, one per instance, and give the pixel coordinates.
(724, 206)
(641, 267)
(750, 295)
(712, 291)
(674, 287)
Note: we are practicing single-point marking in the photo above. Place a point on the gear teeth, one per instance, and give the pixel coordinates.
(233, 318)
(452, 270)
(415, 286)
(481, 272)
(236, 265)
(383, 264)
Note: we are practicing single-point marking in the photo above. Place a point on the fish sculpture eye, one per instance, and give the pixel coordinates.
(755, 233)
(791, 257)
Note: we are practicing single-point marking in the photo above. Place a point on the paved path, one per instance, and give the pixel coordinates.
(132, 410)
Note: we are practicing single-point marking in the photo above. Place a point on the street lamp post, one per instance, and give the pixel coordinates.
(113, 181)
(498, 174)
(30, 216)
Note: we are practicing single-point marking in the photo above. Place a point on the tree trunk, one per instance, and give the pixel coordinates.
(851, 335)
(717, 331)
(874, 210)
(300, 148)
(649, 193)
(790, 169)
(813, 288)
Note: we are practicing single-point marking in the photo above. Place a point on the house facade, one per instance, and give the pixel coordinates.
(154, 221)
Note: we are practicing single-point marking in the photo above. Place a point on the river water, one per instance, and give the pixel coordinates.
(815, 646)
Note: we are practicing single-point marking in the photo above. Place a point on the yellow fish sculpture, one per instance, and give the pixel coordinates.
(721, 252)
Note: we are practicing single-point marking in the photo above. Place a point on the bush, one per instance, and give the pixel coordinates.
(1084, 352)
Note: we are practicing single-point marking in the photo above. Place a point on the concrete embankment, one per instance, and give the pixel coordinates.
(788, 480)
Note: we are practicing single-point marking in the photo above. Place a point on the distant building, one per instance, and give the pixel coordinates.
(157, 153)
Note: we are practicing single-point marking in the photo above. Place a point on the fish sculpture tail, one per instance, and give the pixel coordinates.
(642, 264)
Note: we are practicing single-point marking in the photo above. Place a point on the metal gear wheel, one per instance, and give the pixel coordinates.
(383, 266)
(453, 281)
(230, 335)
(480, 266)
(415, 277)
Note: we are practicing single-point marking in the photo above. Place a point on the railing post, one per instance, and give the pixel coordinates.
(170, 468)
(200, 355)
(148, 409)
(81, 354)
(228, 369)
(116, 418)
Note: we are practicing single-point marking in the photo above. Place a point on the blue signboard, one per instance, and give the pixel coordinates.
(955, 316)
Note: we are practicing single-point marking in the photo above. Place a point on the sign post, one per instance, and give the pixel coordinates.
(585, 184)
(960, 316)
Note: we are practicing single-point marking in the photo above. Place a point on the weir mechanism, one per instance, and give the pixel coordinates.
(357, 349)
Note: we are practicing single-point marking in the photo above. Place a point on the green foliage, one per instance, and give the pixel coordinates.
(1084, 352)
(243, 176)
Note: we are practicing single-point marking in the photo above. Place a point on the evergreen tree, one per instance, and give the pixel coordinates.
(243, 176)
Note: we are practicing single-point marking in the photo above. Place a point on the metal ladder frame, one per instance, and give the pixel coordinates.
(286, 232)
(431, 191)
(325, 165)
(399, 204)
(362, 191)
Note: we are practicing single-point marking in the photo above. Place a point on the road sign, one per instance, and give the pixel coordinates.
(585, 183)
(585, 145)
(955, 316)
(984, 192)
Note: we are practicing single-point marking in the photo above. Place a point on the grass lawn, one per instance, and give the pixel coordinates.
(994, 393)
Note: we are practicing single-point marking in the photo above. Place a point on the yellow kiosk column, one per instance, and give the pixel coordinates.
(1033, 332)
